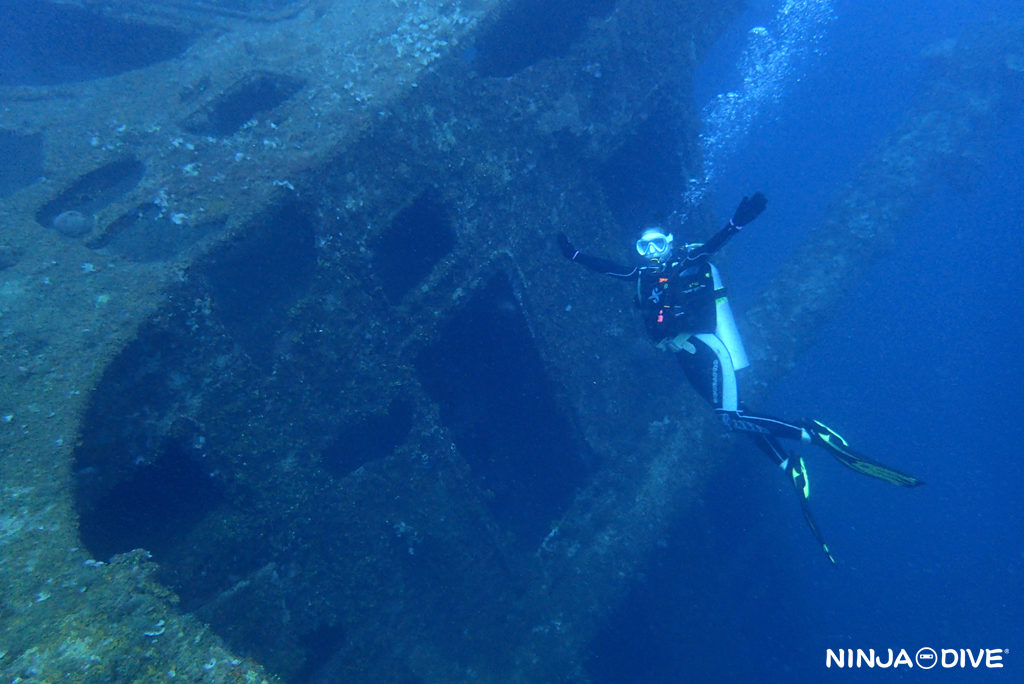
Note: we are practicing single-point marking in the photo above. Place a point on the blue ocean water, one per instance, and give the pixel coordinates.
(918, 367)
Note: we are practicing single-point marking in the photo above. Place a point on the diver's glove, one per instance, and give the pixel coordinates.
(568, 251)
(750, 208)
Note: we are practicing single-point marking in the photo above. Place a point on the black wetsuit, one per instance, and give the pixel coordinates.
(684, 310)
(673, 298)
(677, 301)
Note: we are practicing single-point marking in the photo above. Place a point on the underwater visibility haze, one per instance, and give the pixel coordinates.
(918, 364)
(297, 386)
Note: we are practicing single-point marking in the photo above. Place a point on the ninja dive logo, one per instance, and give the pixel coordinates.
(925, 659)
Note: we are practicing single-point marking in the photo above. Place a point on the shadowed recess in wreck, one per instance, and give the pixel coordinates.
(532, 30)
(645, 177)
(91, 45)
(418, 237)
(367, 439)
(252, 98)
(255, 278)
(495, 398)
(144, 508)
(94, 190)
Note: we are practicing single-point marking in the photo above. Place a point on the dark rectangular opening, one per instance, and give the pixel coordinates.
(367, 439)
(644, 179)
(43, 43)
(256, 277)
(150, 233)
(418, 237)
(531, 30)
(494, 396)
(256, 95)
(92, 192)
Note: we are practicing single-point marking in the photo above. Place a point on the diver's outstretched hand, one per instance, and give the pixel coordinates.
(750, 208)
(568, 251)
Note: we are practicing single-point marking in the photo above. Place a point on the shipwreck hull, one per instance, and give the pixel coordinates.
(285, 312)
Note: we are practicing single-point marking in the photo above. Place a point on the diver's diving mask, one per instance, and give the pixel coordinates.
(654, 244)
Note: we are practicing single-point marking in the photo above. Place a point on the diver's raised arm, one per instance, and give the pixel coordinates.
(748, 210)
(602, 266)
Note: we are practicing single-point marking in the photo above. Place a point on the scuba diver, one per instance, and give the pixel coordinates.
(682, 301)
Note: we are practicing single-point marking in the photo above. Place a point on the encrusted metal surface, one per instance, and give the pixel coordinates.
(302, 270)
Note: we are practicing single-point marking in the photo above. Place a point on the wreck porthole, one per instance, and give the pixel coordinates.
(46, 43)
(252, 97)
(418, 237)
(494, 396)
(532, 30)
(149, 233)
(89, 194)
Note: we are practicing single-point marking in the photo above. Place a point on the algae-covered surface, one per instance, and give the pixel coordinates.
(293, 385)
(203, 216)
(65, 614)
